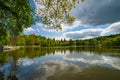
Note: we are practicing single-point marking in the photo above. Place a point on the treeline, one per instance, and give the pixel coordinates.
(111, 40)
(35, 40)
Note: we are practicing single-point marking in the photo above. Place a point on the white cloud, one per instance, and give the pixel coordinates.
(44, 27)
(112, 29)
(29, 29)
(94, 32)
(68, 33)
(39, 29)
(66, 27)
(84, 34)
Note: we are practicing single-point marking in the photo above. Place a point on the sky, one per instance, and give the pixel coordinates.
(93, 18)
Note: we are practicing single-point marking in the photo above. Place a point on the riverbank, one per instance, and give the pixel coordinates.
(8, 48)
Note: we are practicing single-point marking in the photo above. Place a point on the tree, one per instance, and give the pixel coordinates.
(4, 40)
(37, 40)
(30, 40)
(20, 40)
(55, 12)
(15, 15)
(71, 42)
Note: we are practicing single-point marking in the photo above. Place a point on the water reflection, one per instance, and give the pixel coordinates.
(8, 71)
(1, 75)
(94, 59)
(44, 70)
(12, 69)
(60, 64)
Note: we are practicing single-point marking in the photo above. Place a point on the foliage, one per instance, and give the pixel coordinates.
(35, 40)
(15, 15)
(55, 12)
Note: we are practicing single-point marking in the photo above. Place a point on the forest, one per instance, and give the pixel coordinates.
(41, 41)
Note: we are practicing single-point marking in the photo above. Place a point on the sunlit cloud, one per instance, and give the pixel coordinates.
(94, 32)
(65, 27)
(29, 29)
(84, 34)
(112, 29)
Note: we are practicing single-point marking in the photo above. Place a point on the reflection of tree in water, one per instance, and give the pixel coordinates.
(12, 69)
(11, 75)
(1, 75)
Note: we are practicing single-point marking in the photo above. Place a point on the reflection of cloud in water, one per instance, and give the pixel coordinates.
(61, 67)
(94, 59)
(25, 61)
(41, 71)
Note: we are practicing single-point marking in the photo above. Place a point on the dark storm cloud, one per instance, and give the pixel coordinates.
(98, 12)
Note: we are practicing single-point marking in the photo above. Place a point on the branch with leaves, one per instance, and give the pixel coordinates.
(55, 12)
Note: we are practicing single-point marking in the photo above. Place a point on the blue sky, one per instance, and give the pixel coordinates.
(93, 18)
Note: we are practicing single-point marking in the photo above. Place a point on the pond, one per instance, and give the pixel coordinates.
(70, 63)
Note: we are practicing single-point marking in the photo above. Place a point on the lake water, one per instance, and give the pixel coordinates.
(60, 64)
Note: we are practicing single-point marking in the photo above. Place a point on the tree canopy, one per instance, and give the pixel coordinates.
(41, 41)
(55, 12)
(15, 15)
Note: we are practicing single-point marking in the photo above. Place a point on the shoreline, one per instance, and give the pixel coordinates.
(8, 48)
